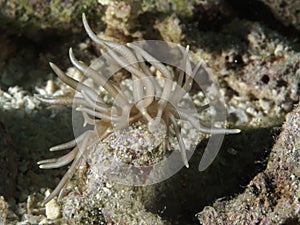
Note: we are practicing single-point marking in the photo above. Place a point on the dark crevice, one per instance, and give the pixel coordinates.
(255, 10)
(25, 60)
(293, 221)
(146, 25)
(240, 158)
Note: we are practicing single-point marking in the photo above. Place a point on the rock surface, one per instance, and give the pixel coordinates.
(3, 210)
(34, 16)
(272, 197)
(258, 68)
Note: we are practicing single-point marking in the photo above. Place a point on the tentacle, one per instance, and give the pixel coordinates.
(180, 140)
(139, 79)
(166, 144)
(101, 107)
(190, 111)
(121, 49)
(58, 162)
(152, 60)
(56, 100)
(100, 115)
(74, 101)
(73, 83)
(136, 75)
(69, 144)
(181, 91)
(87, 119)
(207, 130)
(150, 83)
(64, 146)
(190, 77)
(68, 175)
(182, 72)
(165, 97)
(90, 33)
(130, 60)
(166, 73)
(98, 78)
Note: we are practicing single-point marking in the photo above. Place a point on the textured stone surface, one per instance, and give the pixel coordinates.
(122, 19)
(108, 201)
(3, 210)
(257, 67)
(30, 17)
(272, 197)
